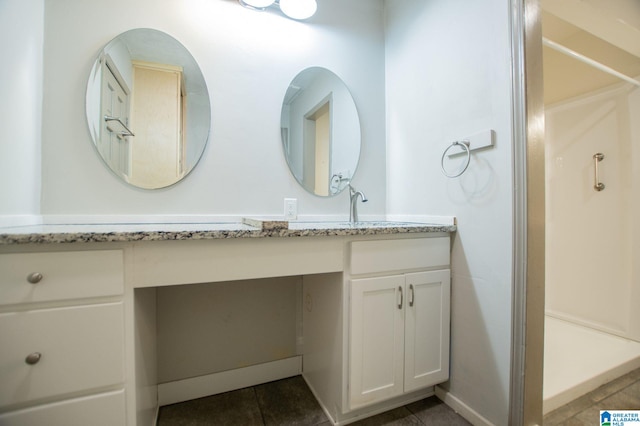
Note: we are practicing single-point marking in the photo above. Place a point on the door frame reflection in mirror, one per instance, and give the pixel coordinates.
(311, 90)
(185, 103)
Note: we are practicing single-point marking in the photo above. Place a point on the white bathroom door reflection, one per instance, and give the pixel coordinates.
(113, 147)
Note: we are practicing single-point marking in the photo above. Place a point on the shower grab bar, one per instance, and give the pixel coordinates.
(597, 185)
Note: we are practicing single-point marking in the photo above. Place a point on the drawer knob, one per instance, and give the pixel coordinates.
(33, 358)
(34, 277)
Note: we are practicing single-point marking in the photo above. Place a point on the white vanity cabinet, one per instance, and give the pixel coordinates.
(62, 328)
(84, 325)
(399, 335)
(392, 307)
(398, 324)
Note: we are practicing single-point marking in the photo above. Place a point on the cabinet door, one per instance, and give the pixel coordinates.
(377, 339)
(427, 329)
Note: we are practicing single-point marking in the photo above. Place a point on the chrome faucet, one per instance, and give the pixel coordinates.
(353, 206)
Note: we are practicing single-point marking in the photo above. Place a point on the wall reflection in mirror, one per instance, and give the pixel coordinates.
(320, 131)
(148, 108)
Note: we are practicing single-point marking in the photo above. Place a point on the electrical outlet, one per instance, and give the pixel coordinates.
(290, 208)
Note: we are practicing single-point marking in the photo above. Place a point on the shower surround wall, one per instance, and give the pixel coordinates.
(593, 237)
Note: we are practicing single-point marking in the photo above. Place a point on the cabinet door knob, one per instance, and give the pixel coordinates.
(34, 277)
(401, 297)
(33, 358)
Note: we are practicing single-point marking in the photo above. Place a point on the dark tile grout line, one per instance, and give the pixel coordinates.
(413, 414)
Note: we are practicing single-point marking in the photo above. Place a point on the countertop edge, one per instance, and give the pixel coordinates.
(61, 237)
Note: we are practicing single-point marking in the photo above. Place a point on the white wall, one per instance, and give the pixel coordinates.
(598, 229)
(21, 46)
(448, 76)
(231, 325)
(248, 60)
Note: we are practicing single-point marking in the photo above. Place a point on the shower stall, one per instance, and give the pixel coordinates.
(592, 122)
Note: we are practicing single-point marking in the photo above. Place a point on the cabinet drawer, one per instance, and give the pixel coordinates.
(81, 348)
(394, 255)
(65, 275)
(96, 410)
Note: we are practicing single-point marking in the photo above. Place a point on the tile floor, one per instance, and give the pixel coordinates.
(290, 402)
(620, 394)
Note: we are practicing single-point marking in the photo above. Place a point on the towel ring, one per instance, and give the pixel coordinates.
(463, 144)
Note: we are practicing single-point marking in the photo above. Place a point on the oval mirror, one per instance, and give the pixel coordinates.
(320, 131)
(148, 108)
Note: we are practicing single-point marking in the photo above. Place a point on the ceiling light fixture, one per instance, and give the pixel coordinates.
(256, 4)
(294, 9)
(299, 9)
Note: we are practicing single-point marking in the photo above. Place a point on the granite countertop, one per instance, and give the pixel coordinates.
(41, 234)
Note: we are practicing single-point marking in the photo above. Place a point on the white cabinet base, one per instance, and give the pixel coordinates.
(380, 339)
(97, 410)
(339, 418)
(123, 304)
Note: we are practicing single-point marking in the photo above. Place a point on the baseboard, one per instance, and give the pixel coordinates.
(461, 408)
(225, 381)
